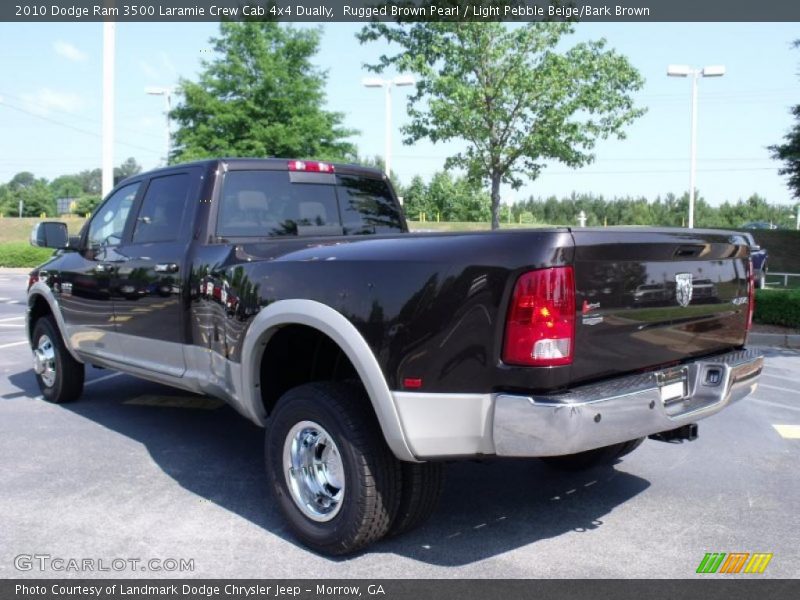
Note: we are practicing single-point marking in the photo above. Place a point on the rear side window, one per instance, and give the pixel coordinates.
(367, 206)
(160, 217)
(267, 203)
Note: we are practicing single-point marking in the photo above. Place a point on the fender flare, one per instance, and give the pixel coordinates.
(41, 289)
(333, 324)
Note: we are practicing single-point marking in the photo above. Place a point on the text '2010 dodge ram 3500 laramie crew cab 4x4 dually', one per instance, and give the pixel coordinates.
(293, 290)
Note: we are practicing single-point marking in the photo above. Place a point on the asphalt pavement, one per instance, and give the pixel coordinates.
(136, 471)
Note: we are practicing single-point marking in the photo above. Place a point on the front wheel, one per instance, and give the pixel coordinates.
(59, 375)
(335, 480)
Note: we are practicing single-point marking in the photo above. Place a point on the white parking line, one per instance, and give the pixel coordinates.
(13, 344)
(768, 374)
(777, 387)
(11, 319)
(775, 404)
(12, 324)
(789, 432)
(103, 378)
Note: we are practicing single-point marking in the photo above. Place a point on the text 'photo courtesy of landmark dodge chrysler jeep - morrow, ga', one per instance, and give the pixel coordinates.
(294, 291)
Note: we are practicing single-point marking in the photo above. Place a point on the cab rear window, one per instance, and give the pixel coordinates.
(268, 203)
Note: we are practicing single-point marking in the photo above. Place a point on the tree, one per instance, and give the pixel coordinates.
(66, 186)
(127, 169)
(789, 151)
(260, 96)
(509, 94)
(35, 194)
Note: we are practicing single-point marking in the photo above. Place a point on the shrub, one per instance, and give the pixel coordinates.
(778, 307)
(20, 254)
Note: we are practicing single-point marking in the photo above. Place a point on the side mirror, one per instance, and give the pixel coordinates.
(50, 234)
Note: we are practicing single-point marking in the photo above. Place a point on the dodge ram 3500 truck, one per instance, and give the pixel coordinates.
(293, 290)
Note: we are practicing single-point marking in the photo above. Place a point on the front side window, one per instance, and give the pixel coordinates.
(161, 215)
(108, 225)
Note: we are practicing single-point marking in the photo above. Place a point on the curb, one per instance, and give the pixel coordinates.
(780, 340)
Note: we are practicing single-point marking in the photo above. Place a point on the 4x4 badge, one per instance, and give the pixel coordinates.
(683, 288)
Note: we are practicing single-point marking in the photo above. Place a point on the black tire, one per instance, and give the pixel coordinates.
(66, 383)
(607, 455)
(421, 488)
(371, 473)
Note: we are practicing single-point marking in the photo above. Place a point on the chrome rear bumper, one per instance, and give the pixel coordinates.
(621, 409)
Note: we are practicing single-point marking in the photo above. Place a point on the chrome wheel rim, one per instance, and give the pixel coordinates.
(44, 361)
(314, 471)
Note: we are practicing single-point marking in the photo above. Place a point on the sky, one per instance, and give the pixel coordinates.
(50, 104)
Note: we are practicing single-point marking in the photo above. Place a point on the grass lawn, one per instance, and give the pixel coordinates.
(19, 230)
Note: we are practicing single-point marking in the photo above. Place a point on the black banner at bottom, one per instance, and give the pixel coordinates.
(718, 588)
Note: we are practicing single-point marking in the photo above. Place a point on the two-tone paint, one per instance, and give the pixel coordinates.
(198, 313)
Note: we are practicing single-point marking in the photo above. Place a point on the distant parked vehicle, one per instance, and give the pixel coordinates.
(758, 225)
(759, 257)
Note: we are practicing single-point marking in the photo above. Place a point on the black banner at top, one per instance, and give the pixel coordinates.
(363, 11)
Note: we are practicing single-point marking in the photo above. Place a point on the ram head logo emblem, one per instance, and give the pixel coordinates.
(683, 288)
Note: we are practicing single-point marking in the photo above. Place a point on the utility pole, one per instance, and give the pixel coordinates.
(109, 35)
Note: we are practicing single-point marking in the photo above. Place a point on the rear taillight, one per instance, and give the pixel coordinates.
(751, 294)
(540, 326)
(311, 166)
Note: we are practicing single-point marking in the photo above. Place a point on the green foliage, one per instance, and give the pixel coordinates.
(377, 162)
(129, 168)
(778, 307)
(86, 204)
(21, 254)
(66, 186)
(789, 151)
(510, 94)
(260, 96)
(35, 195)
(669, 211)
(451, 199)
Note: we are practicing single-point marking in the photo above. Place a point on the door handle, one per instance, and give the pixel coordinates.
(166, 268)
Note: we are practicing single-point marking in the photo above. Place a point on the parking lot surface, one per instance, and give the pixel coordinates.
(134, 470)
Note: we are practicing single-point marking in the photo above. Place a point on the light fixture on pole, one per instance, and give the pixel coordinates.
(386, 84)
(695, 74)
(167, 93)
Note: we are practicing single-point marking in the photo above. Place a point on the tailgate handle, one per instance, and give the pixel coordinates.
(686, 251)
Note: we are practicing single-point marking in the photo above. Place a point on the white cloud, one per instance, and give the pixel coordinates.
(69, 51)
(44, 101)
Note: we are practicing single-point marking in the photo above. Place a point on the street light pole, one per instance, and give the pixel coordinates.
(386, 84)
(387, 134)
(685, 71)
(109, 38)
(167, 93)
(693, 151)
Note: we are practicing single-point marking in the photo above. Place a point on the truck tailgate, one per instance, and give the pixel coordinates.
(655, 297)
